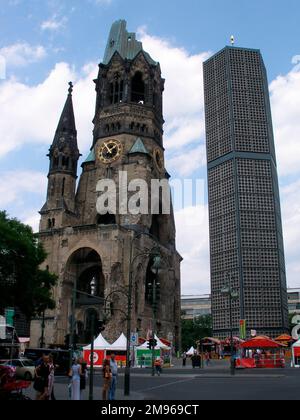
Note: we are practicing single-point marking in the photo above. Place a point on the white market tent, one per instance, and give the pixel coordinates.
(296, 354)
(191, 352)
(99, 344)
(120, 344)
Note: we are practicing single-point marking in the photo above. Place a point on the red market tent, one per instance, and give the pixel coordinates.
(100, 348)
(261, 342)
(166, 342)
(261, 352)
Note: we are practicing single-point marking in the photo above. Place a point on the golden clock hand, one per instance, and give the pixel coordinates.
(107, 148)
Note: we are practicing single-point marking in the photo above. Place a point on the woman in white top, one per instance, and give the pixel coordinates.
(51, 378)
(74, 374)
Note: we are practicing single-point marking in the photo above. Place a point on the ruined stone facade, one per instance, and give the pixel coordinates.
(82, 244)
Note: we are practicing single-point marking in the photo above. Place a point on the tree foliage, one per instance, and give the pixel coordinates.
(193, 330)
(22, 283)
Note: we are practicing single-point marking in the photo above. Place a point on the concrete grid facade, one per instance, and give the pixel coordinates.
(246, 241)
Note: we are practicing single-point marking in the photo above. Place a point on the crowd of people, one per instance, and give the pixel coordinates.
(197, 359)
(45, 379)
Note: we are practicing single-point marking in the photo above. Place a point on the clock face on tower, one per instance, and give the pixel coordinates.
(110, 151)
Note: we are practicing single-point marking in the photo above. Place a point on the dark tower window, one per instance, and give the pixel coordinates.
(116, 90)
(65, 162)
(138, 88)
(63, 187)
(106, 219)
(155, 227)
(150, 277)
(55, 163)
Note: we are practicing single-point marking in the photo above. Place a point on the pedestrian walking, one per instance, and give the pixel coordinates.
(74, 374)
(83, 376)
(207, 358)
(184, 357)
(41, 380)
(51, 378)
(114, 379)
(194, 360)
(107, 377)
(158, 366)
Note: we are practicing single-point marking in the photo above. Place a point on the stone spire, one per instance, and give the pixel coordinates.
(64, 153)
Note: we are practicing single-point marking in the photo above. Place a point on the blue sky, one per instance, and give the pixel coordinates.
(46, 43)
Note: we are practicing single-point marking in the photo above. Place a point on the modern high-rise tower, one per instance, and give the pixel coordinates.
(246, 241)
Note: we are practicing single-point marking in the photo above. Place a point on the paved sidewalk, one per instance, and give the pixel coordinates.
(62, 394)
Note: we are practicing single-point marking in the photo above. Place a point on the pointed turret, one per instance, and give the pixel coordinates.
(63, 156)
(64, 153)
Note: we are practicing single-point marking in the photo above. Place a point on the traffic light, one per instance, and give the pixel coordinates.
(150, 293)
(100, 326)
(152, 344)
(158, 292)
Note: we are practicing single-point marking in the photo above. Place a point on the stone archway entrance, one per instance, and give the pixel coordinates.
(83, 265)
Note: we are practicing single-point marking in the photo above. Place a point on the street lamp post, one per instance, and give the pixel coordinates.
(43, 331)
(156, 269)
(232, 295)
(91, 387)
(129, 301)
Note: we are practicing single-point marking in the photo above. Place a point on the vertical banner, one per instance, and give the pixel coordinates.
(9, 316)
(243, 330)
(2, 328)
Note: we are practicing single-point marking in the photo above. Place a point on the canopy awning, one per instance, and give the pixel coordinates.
(285, 338)
(99, 344)
(120, 344)
(261, 343)
(191, 352)
(212, 340)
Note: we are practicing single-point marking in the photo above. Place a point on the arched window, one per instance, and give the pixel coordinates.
(55, 163)
(138, 89)
(65, 162)
(116, 90)
(150, 277)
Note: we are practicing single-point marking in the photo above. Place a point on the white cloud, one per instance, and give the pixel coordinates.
(187, 162)
(14, 185)
(38, 108)
(183, 97)
(193, 244)
(285, 100)
(54, 24)
(19, 193)
(22, 54)
(291, 230)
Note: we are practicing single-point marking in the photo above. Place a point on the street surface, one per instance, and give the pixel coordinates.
(211, 383)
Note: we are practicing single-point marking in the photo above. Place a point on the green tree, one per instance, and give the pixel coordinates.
(194, 330)
(22, 283)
